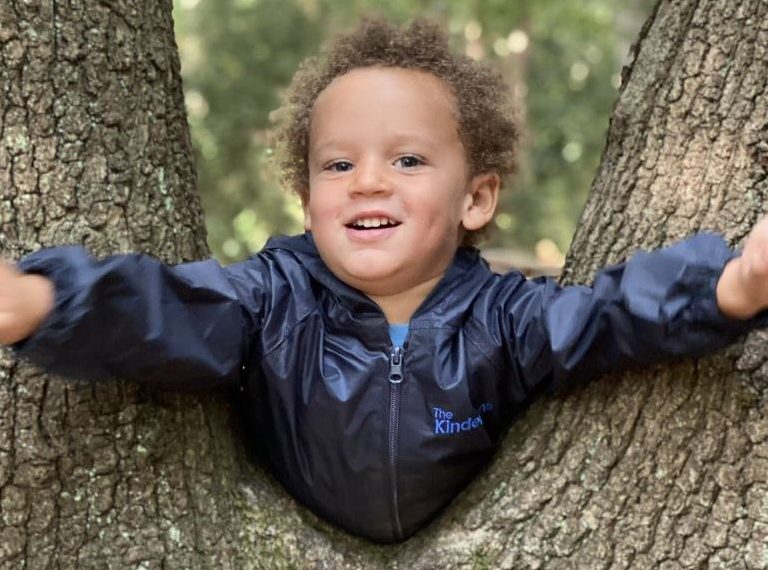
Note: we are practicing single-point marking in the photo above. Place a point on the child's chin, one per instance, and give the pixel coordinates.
(373, 272)
(369, 274)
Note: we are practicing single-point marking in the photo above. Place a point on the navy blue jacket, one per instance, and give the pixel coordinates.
(376, 439)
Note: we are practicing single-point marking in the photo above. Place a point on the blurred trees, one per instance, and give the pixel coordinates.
(562, 61)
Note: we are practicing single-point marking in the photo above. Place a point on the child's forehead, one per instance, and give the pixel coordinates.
(383, 103)
(362, 80)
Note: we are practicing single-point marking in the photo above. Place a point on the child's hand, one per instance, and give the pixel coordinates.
(742, 290)
(25, 301)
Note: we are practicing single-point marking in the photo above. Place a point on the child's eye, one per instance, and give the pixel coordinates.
(339, 166)
(409, 161)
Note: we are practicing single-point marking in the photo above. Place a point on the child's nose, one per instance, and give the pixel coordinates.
(370, 178)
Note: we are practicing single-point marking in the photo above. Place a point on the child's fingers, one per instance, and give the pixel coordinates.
(25, 300)
(7, 272)
(756, 250)
(10, 329)
(8, 310)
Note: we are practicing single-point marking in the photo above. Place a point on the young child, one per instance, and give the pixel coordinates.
(380, 358)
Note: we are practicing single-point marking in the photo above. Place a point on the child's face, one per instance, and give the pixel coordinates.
(389, 194)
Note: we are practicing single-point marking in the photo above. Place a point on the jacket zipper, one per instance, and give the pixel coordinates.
(396, 354)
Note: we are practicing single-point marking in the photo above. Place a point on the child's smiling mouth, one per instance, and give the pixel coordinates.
(372, 222)
(370, 227)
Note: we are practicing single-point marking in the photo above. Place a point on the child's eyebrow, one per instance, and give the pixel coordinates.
(329, 144)
(416, 137)
(392, 141)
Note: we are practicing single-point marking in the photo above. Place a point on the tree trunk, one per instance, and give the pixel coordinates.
(667, 468)
(95, 150)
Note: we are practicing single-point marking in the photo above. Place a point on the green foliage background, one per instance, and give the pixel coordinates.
(562, 60)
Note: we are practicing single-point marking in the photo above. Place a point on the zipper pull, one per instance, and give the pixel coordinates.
(396, 365)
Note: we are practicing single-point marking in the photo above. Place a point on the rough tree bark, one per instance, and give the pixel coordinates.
(665, 468)
(95, 149)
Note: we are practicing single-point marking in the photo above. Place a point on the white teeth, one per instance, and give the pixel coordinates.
(373, 222)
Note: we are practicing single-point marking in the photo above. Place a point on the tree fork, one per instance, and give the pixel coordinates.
(667, 468)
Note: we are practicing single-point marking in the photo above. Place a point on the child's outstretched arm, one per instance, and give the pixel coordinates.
(185, 326)
(742, 290)
(687, 299)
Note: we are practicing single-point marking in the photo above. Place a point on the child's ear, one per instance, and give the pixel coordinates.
(305, 209)
(481, 200)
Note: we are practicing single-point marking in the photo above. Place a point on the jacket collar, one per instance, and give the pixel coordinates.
(453, 292)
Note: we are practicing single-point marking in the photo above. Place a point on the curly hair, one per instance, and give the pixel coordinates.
(485, 122)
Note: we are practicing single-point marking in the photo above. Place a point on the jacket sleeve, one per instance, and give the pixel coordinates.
(184, 326)
(658, 305)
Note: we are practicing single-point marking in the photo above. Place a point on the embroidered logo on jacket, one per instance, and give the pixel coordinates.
(446, 422)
